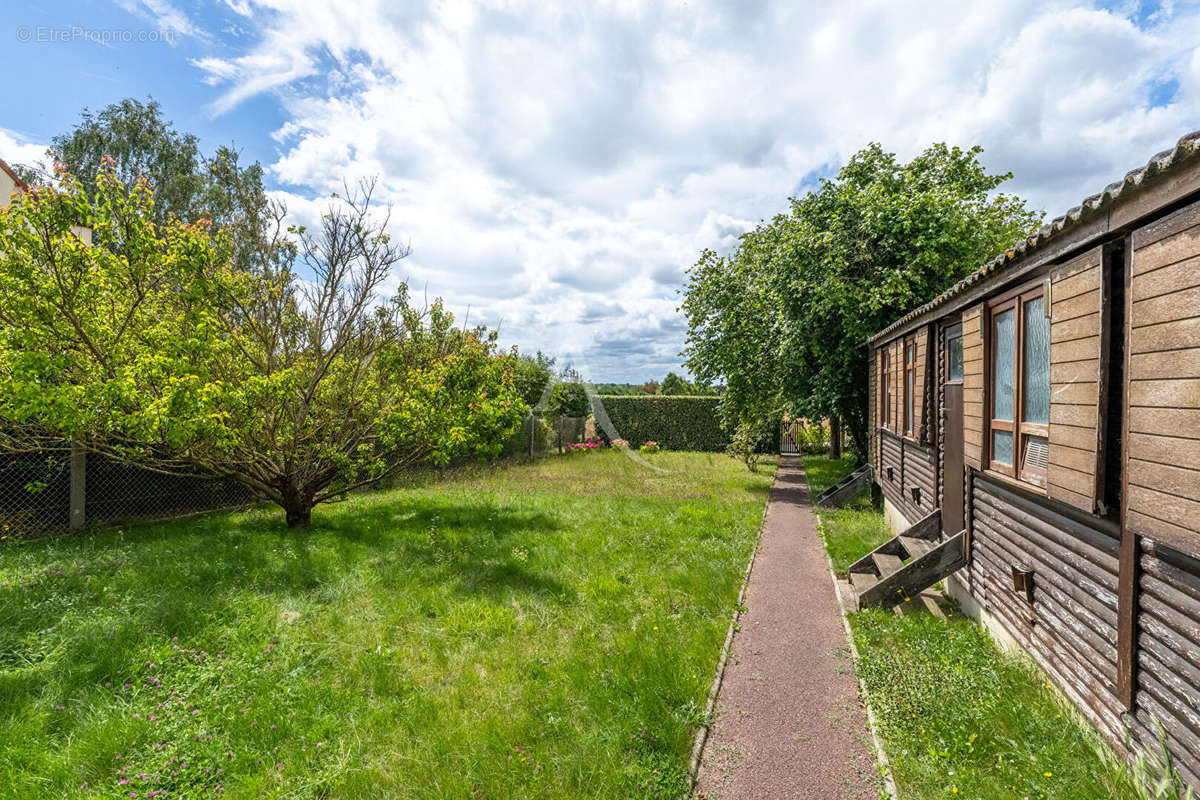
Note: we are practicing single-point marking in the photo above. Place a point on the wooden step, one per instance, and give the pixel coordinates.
(931, 600)
(888, 564)
(916, 547)
(861, 581)
(907, 607)
(910, 580)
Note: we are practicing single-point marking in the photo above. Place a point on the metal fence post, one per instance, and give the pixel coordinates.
(78, 485)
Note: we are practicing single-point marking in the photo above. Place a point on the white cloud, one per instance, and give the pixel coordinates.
(18, 149)
(559, 166)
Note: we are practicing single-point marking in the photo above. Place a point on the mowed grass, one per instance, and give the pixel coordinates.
(959, 718)
(533, 631)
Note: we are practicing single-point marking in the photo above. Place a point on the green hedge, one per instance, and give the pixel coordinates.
(676, 423)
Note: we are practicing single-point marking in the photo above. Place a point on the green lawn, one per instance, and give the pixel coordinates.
(958, 718)
(541, 631)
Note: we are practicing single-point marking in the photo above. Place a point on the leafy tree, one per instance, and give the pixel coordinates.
(531, 377)
(569, 399)
(155, 348)
(142, 145)
(784, 317)
(674, 385)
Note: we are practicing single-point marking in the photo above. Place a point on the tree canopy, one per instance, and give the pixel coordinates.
(154, 347)
(782, 320)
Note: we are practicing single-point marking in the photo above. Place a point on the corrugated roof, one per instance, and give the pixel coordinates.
(1089, 209)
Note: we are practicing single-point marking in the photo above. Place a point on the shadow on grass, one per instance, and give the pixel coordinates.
(184, 577)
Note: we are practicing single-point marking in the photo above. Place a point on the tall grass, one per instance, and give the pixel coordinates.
(542, 631)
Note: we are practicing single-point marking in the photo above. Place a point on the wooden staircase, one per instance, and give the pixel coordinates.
(901, 572)
(846, 488)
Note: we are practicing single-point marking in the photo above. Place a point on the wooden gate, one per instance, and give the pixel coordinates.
(789, 442)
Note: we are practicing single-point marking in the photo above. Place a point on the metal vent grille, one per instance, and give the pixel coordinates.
(1037, 453)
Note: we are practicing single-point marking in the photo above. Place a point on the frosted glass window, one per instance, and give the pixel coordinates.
(1036, 374)
(956, 359)
(1003, 371)
(1002, 447)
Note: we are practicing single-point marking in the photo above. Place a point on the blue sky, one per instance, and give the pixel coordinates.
(557, 166)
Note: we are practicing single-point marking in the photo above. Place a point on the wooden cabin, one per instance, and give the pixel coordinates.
(1048, 408)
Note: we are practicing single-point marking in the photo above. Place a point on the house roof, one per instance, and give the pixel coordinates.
(1134, 181)
(10, 172)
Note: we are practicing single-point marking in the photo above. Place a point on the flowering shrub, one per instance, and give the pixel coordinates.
(588, 445)
(618, 444)
(650, 447)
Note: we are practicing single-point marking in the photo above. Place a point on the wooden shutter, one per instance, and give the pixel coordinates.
(919, 386)
(1075, 347)
(972, 340)
(897, 426)
(873, 395)
(1163, 447)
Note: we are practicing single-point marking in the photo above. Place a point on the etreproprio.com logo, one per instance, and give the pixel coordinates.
(65, 34)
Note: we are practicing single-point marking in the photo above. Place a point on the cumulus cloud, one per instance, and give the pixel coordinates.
(558, 166)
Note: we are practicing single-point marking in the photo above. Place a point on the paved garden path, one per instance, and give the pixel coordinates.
(788, 719)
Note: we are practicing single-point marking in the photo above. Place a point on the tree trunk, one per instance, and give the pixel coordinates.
(298, 516)
(297, 505)
(835, 437)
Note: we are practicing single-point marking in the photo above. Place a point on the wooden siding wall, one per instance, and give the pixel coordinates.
(972, 322)
(1163, 468)
(912, 468)
(1169, 656)
(1075, 350)
(1071, 626)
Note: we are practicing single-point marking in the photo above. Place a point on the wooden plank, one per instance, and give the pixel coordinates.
(929, 600)
(1179, 512)
(1176, 335)
(1073, 458)
(1077, 393)
(1127, 613)
(1083, 502)
(1077, 306)
(888, 564)
(1081, 416)
(1074, 436)
(1179, 481)
(1166, 307)
(1173, 278)
(1181, 221)
(1161, 393)
(1176, 536)
(1081, 280)
(1066, 372)
(1077, 350)
(1181, 422)
(1165, 252)
(1076, 481)
(861, 581)
(1164, 449)
(1172, 364)
(1077, 328)
(916, 546)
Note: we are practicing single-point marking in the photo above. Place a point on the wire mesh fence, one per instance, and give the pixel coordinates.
(52, 491)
